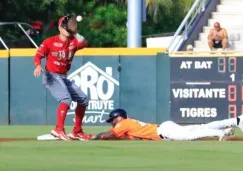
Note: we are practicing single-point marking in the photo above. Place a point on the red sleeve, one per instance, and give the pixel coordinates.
(82, 44)
(81, 41)
(41, 52)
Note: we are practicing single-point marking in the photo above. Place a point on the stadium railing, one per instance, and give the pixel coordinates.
(182, 32)
(20, 25)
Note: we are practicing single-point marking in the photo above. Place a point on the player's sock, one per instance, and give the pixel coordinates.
(61, 114)
(79, 115)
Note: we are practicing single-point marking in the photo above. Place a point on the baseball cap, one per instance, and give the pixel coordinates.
(216, 25)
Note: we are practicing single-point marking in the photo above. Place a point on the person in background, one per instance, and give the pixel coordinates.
(38, 26)
(217, 37)
(189, 48)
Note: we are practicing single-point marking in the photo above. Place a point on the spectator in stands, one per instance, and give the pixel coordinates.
(38, 26)
(218, 37)
(189, 48)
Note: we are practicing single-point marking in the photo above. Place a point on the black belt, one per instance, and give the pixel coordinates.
(161, 136)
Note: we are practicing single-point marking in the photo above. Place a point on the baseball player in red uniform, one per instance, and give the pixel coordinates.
(59, 51)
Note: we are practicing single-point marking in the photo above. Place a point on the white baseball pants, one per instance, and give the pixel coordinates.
(172, 131)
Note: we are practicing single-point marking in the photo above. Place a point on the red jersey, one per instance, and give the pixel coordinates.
(59, 54)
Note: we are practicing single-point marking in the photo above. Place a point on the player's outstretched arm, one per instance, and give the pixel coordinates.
(104, 136)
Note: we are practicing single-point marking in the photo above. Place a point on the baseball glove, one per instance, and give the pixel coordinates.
(69, 23)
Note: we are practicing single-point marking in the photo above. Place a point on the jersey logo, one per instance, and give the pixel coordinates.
(62, 55)
(58, 44)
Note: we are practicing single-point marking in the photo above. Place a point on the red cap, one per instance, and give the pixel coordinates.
(60, 21)
(216, 25)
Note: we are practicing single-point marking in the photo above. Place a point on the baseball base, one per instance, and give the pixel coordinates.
(46, 137)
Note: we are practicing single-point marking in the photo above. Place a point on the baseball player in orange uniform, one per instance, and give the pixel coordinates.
(131, 129)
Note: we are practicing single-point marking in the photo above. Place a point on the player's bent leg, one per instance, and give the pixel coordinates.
(192, 127)
(203, 133)
(173, 131)
(58, 89)
(81, 98)
(222, 124)
(210, 44)
(224, 43)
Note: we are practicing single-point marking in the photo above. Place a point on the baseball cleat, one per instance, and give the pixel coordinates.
(229, 131)
(226, 134)
(223, 138)
(80, 136)
(241, 122)
(60, 134)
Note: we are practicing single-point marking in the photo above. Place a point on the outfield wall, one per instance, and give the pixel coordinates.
(133, 79)
(151, 85)
(4, 91)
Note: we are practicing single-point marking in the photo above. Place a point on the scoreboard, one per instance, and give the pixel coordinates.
(205, 89)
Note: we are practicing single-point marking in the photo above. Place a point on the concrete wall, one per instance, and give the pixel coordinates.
(112, 78)
(4, 87)
(145, 82)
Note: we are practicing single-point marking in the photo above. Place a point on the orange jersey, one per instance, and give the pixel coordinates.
(135, 129)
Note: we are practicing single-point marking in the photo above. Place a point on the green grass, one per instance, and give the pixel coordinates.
(114, 155)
